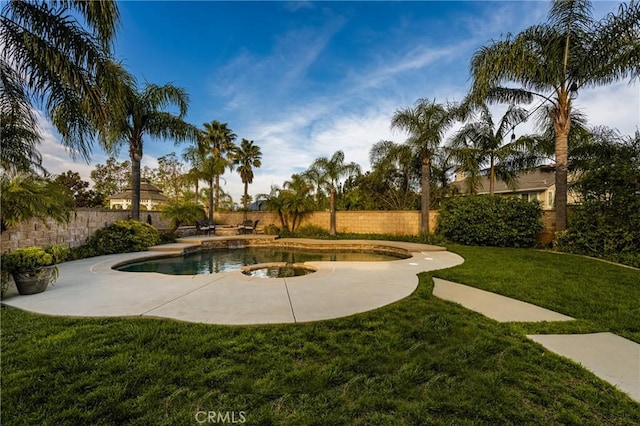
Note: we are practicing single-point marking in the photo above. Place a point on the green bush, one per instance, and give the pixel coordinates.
(607, 222)
(311, 231)
(27, 259)
(490, 220)
(186, 213)
(122, 236)
(271, 229)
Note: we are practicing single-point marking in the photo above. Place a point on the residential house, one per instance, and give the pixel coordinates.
(538, 184)
(151, 197)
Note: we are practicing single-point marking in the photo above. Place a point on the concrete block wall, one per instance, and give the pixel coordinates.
(83, 223)
(86, 221)
(359, 222)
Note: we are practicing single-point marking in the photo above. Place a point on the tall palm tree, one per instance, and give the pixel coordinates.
(246, 156)
(553, 61)
(426, 124)
(144, 115)
(478, 148)
(218, 139)
(333, 170)
(59, 52)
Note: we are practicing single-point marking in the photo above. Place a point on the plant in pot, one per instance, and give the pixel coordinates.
(33, 268)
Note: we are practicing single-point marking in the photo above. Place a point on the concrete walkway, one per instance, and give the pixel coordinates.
(90, 287)
(608, 356)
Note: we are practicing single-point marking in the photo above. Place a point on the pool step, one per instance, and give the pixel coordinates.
(172, 247)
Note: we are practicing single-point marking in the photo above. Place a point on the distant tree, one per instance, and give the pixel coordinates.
(478, 149)
(333, 170)
(217, 141)
(553, 61)
(170, 175)
(273, 201)
(112, 177)
(246, 156)
(395, 175)
(78, 188)
(296, 200)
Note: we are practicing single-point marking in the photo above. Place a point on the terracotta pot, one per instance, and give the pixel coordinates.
(33, 282)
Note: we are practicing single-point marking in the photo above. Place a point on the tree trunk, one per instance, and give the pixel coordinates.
(424, 202)
(217, 194)
(211, 185)
(332, 212)
(492, 178)
(562, 125)
(135, 153)
(245, 199)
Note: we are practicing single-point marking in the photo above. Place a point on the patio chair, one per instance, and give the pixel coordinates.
(204, 227)
(248, 226)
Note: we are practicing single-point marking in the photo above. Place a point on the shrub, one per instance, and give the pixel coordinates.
(271, 229)
(607, 222)
(27, 259)
(490, 220)
(311, 231)
(183, 213)
(122, 236)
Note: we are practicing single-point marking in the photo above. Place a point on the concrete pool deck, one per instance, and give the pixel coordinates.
(91, 288)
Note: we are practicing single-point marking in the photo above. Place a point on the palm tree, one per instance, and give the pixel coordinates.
(426, 123)
(26, 196)
(570, 52)
(218, 140)
(59, 52)
(477, 148)
(332, 171)
(196, 156)
(18, 127)
(246, 157)
(296, 199)
(144, 115)
(274, 202)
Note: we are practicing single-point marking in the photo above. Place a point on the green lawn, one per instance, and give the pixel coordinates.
(418, 361)
(603, 296)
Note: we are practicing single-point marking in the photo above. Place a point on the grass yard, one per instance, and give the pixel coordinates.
(601, 295)
(418, 361)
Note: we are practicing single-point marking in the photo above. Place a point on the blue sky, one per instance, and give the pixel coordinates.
(305, 79)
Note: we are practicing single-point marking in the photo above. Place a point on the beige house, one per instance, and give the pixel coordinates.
(150, 198)
(535, 185)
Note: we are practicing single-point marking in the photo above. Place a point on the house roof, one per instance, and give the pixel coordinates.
(538, 180)
(147, 192)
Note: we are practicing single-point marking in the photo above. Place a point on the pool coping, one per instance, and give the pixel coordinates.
(91, 288)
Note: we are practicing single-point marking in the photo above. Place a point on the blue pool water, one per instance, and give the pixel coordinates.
(223, 260)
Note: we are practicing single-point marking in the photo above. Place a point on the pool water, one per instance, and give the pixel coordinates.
(278, 272)
(224, 260)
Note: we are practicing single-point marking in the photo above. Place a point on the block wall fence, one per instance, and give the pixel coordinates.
(84, 222)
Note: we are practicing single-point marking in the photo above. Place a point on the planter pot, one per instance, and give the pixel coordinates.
(33, 282)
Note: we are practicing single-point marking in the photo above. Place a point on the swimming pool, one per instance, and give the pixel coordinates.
(225, 260)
